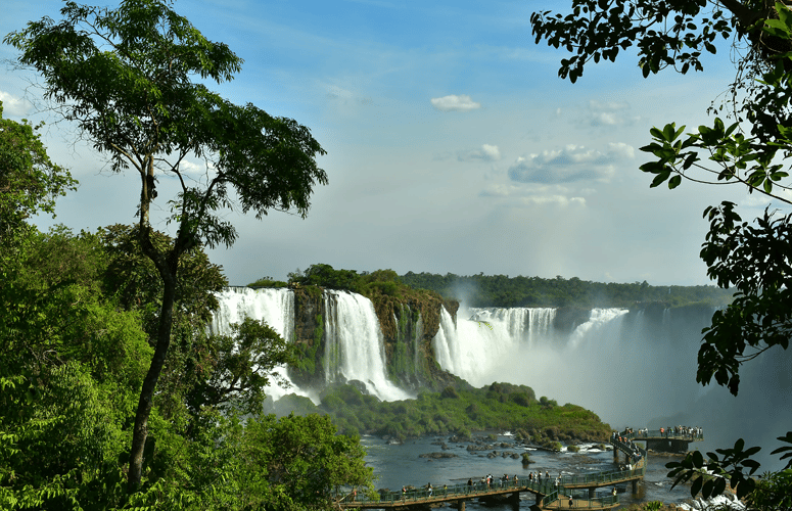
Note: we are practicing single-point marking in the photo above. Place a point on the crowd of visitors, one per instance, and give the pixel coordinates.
(686, 432)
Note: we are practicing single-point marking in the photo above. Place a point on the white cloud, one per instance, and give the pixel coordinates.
(485, 153)
(13, 105)
(569, 164)
(610, 113)
(191, 168)
(461, 103)
(554, 200)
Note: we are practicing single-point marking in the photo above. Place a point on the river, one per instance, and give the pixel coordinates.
(399, 465)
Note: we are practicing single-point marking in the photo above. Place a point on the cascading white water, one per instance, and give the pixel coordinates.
(591, 366)
(275, 306)
(354, 344)
(602, 324)
(474, 348)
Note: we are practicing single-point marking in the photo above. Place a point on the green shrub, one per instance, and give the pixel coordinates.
(449, 393)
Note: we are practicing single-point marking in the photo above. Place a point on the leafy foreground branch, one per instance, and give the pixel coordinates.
(753, 152)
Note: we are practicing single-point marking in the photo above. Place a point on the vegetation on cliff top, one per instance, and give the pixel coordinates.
(383, 287)
(504, 291)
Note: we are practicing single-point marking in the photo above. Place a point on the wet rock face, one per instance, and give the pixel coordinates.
(408, 327)
(309, 338)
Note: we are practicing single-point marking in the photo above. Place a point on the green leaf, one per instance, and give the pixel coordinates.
(669, 132)
(660, 178)
(673, 183)
(776, 28)
(656, 133)
(695, 488)
(784, 14)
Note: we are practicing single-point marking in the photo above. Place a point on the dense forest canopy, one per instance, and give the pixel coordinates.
(504, 291)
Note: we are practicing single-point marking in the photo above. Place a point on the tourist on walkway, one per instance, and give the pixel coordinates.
(570, 501)
(470, 485)
(429, 489)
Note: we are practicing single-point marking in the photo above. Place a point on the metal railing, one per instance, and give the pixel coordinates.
(443, 493)
(666, 433)
(544, 486)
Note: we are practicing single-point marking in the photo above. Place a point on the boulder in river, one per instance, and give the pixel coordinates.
(437, 455)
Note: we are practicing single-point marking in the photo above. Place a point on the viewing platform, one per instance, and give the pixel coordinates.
(664, 441)
(548, 494)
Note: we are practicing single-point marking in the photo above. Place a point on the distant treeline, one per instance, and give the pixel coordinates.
(503, 291)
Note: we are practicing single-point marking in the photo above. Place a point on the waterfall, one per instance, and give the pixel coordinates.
(603, 324)
(475, 348)
(612, 354)
(275, 306)
(354, 345)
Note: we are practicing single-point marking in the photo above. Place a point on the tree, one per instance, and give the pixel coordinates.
(303, 460)
(72, 362)
(750, 152)
(29, 180)
(126, 77)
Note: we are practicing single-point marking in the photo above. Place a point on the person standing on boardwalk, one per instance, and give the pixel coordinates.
(470, 485)
(570, 501)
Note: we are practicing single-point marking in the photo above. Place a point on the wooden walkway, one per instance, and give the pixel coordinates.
(548, 495)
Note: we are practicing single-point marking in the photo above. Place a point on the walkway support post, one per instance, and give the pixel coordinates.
(461, 505)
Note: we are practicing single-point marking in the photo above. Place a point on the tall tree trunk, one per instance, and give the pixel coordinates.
(158, 361)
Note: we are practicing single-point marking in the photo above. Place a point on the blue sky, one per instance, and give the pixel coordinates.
(452, 144)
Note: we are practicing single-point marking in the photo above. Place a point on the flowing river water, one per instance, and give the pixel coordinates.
(400, 465)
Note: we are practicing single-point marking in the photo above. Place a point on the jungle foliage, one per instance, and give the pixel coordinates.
(463, 411)
(75, 350)
(752, 152)
(79, 315)
(132, 80)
